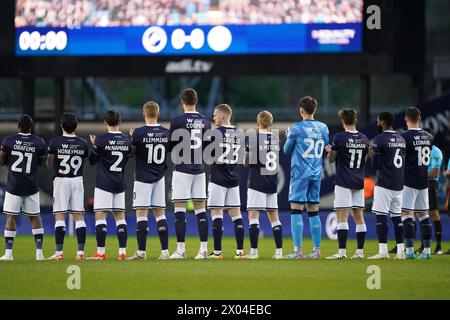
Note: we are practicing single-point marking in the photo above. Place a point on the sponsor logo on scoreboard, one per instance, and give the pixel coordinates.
(189, 66)
(333, 36)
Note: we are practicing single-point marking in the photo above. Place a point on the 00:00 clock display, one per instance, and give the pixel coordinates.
(50, 41)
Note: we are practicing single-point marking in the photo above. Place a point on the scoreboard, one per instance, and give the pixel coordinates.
(306, 26)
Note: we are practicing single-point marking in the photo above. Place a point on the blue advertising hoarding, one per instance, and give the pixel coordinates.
(328, 219)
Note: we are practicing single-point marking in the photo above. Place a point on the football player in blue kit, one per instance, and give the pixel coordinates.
(22, 153)
(305, 144)
(389, 160)
(262, 156)
(111, 152)
(415, 192)
(151, 143)
(189, 180)
(349, 150)
(223, 187)
(67, 155)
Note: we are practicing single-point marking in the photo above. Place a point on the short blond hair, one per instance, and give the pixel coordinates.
(225, 109)
(264, 119)
(151, 109)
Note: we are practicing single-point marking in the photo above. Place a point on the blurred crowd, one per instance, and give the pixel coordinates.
(102, 13)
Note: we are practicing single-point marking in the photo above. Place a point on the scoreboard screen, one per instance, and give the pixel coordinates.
(184, 27)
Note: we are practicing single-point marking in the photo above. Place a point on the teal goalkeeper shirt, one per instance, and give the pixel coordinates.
(435, 161)
(305, 143)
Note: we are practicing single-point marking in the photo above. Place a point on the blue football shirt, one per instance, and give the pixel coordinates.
(417, 158)
(352, 149)
(389, 160)
(24, 152)
(152, 146)
(305, 143)
(264, 162)
(194, 125)
(70, 152)
(225, 169)
(111, 153)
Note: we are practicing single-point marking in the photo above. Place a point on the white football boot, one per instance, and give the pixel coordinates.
(39, 256)
(7, 257)
(201, 255)
(379, 256)
(177, 256)
(138, 255)
(164, 255)
(357, 256)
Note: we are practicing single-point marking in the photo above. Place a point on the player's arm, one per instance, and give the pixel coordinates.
(3, 153)
(172, 143)
(43, 154)
(447, 172)
(289, 145)
(246, 159)
(434, 173)
(50, 160)
(377, 160)
(50, 155)
(326, 136)
(332, 150)
(207, 135)
(133, 143)
(376, 154)
(247, 152)
(42, 160)
(3, 157)
(93, 157)
(435, 165)
(86, 154)
(132, 151)
(332, 154)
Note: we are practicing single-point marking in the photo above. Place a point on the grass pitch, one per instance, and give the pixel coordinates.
(25, 278)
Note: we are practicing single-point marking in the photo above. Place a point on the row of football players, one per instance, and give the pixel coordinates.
(401, 192)
(306, 142)
(23, 153)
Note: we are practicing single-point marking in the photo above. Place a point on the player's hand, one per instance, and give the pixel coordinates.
(288, 131)
(328, 148)
(92, 137)
(131, 132)
(371, 152)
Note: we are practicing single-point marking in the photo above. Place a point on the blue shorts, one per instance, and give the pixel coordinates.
(304, 191)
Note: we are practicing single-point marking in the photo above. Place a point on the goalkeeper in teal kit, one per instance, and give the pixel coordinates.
(306, 142)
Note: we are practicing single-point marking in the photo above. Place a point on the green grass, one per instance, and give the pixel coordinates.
(25, 278)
